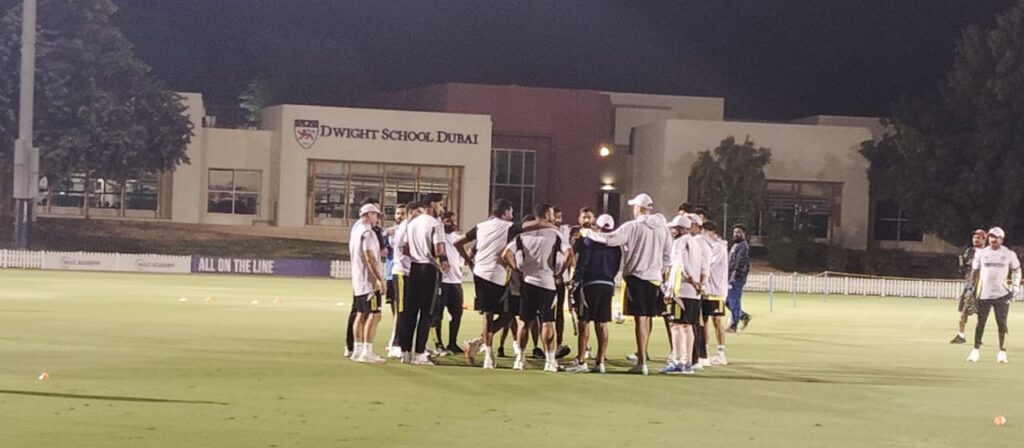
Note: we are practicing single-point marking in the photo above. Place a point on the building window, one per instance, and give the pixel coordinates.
(512, 178)
(893, 224)
(233, 192)
(796, 206)
(338, 188)
(80, 192)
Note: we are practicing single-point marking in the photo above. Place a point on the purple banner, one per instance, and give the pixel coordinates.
(256, 266)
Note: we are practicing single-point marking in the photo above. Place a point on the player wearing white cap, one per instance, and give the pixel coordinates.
(593, 286)
(992, 266)
(367, 283)
(647, 250)
(691, 264)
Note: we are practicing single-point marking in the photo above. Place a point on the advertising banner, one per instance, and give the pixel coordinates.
(256, 266)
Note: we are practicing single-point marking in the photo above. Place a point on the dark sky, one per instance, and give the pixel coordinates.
(770, 59)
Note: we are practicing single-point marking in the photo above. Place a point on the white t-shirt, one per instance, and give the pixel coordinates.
(718, 279)
(491, 238)
(995, 266)
(402, 261)
(422, 235)
(539, 249)
(363, 239)
(453, 275)
(690, 259)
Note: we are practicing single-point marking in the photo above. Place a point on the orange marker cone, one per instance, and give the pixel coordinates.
(44, 376)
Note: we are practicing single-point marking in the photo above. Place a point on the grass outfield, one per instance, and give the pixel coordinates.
(130, 365)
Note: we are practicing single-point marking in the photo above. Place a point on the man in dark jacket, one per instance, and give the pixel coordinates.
(739, 267)
(593, 287)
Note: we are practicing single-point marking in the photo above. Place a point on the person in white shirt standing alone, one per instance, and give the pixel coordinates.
(992, 266)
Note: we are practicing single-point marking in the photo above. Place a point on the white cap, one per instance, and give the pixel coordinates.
(643, 200)
(605, 222)
(369, 208)
(997, 232)
(681, 221)
(695, 219)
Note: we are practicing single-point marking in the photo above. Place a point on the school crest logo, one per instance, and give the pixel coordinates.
(306, 132)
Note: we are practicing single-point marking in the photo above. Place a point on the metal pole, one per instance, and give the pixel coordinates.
(794, 290)
(26, 156)
(771, 292)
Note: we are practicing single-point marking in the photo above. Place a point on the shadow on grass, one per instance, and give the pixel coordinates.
(106, 397)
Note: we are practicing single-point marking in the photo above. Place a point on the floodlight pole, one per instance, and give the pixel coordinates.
(26, 156)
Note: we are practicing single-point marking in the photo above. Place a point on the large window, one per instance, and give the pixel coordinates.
(810, 207)
(80, 192)
(338, 188)
(512, 178)
(233, 192)
(893, 224)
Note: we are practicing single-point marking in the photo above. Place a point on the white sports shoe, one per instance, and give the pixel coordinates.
(422, 359)
(974, 356)
(704, 362)
(348, 353)
(601, 368)
(1001, 357)
(371, 358)
(719, 360)
(519, 364)
(489, 363)
(641, 369)
(394, 352)
(578, 368)
(551, 367)
(632, 357)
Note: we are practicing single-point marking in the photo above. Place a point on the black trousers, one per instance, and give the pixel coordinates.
(700, 342)
(450, 298)
(350, 338)
(1002, 309)
(415, 313)
(560, 292)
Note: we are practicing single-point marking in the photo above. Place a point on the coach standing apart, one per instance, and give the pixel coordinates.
(739, 267)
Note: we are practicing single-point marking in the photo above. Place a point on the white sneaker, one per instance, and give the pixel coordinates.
(371, 358)
(698, 367)
(489, 363)
(348, 353)
(519, 363)
(641, 369)
(601, 368)
(586, 355)
(406, 357)
(632, 357)
(704, 362)
(1001, 357)
(394, 352)
(578, 368)
(422, 359)
(719, 360)
(974, 356)
(551, 367)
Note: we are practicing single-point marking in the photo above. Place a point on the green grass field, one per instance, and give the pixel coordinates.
(130, 365)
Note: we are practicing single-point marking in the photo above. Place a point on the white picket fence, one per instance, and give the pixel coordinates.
(20, 259)
(341, 269)
(833, 283)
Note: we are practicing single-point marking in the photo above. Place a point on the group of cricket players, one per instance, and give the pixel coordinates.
(526, 271)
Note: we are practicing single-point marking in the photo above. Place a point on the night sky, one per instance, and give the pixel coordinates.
(770, 59)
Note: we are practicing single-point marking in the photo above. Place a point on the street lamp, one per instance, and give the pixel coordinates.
(604, 151)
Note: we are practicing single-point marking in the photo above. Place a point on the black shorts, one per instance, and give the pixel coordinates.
(367, 303)
(689, 313)
(712, 308)
(643, 298)
(450, 298)
(489, 296)
(537, 302)
(392, 293)
(594, 303)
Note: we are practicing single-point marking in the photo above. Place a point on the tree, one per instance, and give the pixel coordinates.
(99, 111)
(253, 100)
(955, 159)
(731, 175)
